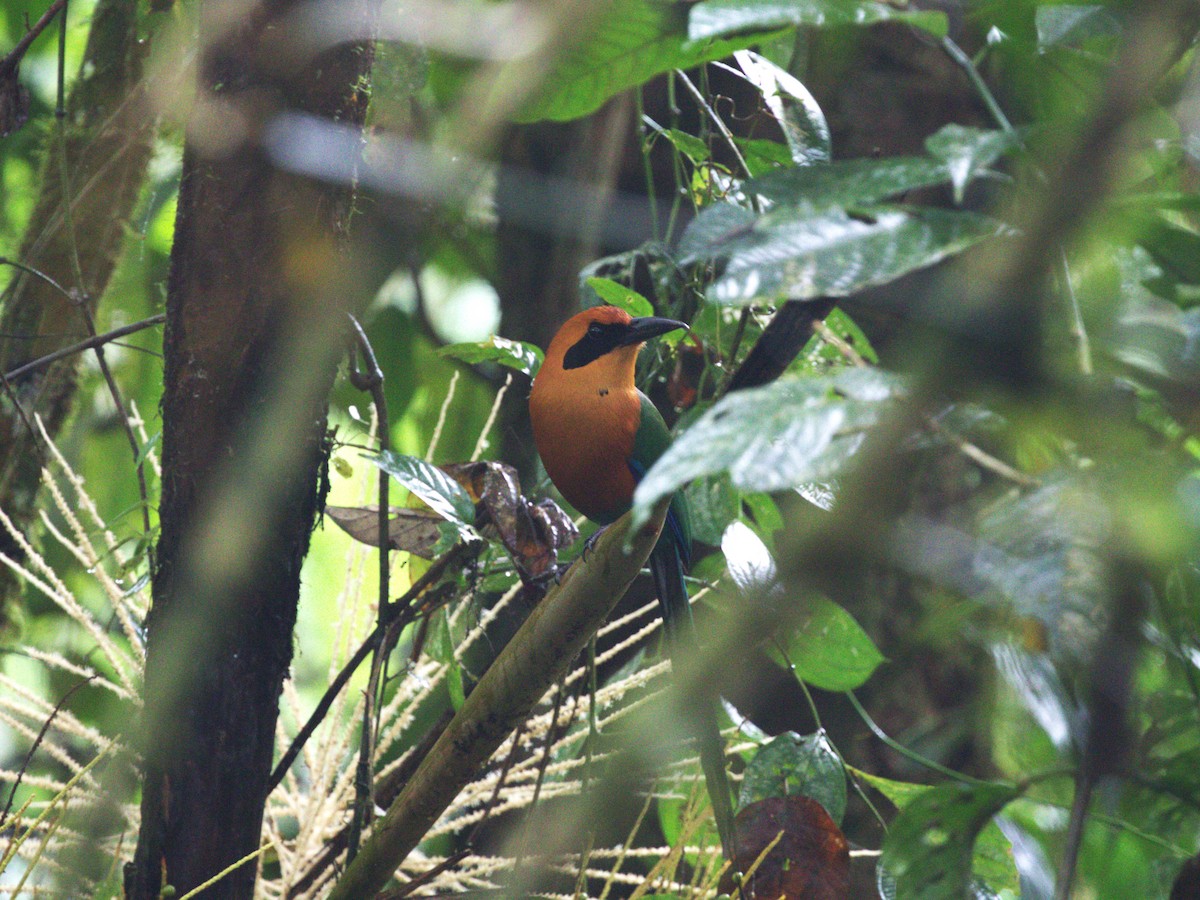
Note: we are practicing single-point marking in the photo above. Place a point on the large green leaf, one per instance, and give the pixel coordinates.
(795, 253)
(636, 40)
(774, 437)
(791, 764)
(957, 155)
(829, 649)
(719, 18)
(930, 846)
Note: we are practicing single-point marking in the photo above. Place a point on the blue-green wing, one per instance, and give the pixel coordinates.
(651, 442)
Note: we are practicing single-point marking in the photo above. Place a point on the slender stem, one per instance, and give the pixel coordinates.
(1078, 329)
(957, 54)
(908, 753)
(721, 127)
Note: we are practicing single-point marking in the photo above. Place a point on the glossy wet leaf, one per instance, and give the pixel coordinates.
(724, 17)
(792, 765)
(774, 437)
(930, 846)
(794, 108)
(829, 649)
(517, 355)
(797, 253)
(439, 491)
(633, 41)
(956, 155)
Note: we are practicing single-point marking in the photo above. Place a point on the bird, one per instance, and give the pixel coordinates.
(598, 435)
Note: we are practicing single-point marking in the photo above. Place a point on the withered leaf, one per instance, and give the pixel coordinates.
(414, 531)
(811, 861)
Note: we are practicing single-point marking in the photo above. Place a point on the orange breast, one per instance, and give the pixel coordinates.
(584, 434)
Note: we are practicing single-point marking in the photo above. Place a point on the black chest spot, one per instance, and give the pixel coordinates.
(603, 392)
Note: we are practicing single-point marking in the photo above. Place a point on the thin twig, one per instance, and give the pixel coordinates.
(94, 341)
(372, 380)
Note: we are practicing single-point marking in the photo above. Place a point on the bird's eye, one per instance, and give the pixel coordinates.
(595, 329)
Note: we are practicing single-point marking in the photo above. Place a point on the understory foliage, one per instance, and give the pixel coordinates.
(935, 417)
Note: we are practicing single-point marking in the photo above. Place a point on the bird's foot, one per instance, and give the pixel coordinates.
(590, 543)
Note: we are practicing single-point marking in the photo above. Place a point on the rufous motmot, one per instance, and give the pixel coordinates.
(597, 435)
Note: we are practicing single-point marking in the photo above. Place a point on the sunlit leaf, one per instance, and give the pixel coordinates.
(615, 294)
(636, 40)
(517, 355)
(829, 649)
(439, 491)
(930, 845)
(410, 530)
(791, 764)
(714, 18)
(776, 436)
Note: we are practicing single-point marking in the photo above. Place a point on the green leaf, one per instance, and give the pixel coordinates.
(799, 253)
(717, 18)
(635, 40)
(437, 489)
(829, 649)
(517, 355)
(794, 108)
(930, 845)
(774, 437)
(617, 294)
(790, 765)
(1074, 25)
(687, 144)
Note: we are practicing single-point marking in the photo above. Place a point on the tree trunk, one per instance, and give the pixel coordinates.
(255, 324)
(107, 135)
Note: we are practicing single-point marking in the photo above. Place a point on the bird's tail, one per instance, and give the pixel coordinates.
(666, 565)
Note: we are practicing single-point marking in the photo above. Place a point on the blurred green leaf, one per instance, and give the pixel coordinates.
(636, 40)
(776, 436)
(718, 18)
(967, 151)
(1072, 25)
(799, 253)
(615, 294)
(930, 845)
(439, 491)
(791, 764)
(829, 649)
(517, 355)
(712, 503)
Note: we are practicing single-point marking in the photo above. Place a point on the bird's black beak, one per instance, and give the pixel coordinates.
(645, 327)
